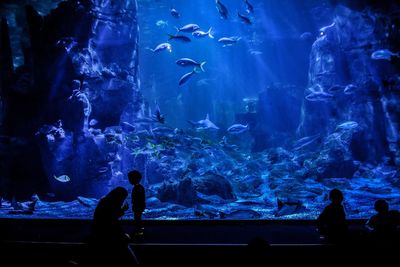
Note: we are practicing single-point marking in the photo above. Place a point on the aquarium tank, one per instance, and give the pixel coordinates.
(230, 109)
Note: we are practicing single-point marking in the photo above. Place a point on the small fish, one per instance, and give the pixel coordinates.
(348, 125)
(238, 128)
(306, 36)
(161, 23)
(200, 34)
(250, 8)
(350, 89)
(158, 116)
(174, 13)
(324, 30)
(68, 43)
(185, 78)
(188, 28)
(319, 96)
(93, 122)
(229, 41)
(289, 207)
(180, 38)
(223, 11)
(187, 62)
(62, 178)
(161, 47)
(384, 54)
(255, 52)
(305, 141)
(244, 19)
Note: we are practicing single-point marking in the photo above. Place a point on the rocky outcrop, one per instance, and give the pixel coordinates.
(80, 66)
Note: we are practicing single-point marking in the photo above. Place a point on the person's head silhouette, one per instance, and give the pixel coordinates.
(117, 195)
(336, 196)
(134, 177)
(381, 206)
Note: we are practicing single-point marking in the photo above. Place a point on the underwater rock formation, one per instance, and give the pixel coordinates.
(347, 85)
(73, 73)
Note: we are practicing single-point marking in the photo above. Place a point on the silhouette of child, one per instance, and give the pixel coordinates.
(332, 221)
(383, 224)
(138, 199)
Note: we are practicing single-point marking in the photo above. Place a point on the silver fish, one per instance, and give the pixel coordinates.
(161, 47)
(185, 78)
(348, 125)
(229, 41)
(305, 141)
(200, 34)
(62, 178)
(384, 54)
(204, 124)
(187, 62)
(174, 13)
(223, 11)
(238, 128)
(319, 96)
(188, 28)
(350, 89)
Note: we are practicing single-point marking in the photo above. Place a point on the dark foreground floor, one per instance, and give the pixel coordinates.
(183, 243)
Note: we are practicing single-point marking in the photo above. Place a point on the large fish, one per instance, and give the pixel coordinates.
(229, 41)
(384, 54)
(188, 28)
(249, 6)
(180, 38)
(204, 124)
(238, 128)
(244, 19)
(161, 47)
(186, 77)
(200, 34)
(187, 62)
(223, 11)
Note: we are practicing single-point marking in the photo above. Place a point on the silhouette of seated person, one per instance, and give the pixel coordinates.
(109, 243)
(384, 224)
(331, 222)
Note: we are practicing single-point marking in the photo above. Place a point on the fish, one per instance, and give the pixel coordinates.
(62, 178)
(161, 47)
(324, 30)
(223, 11)
(350, 89)
(384, 54)
(319, 96)
(186, 77)
(244, 19)
(180, 38)
(306, 36)
(289, 207)
(68, 43)
(188, 28)
(158, 116)
(335, 88)
(161, 23)
(93, 122)
(229, 41)
(237, 128)
(204, 124)
(348, 125)
(249, 7)
(145, 120)
(255, 52)
(305, 141)
(200, 34)
(187, 62)
(174, 13)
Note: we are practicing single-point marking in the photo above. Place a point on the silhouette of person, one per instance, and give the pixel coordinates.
(331, 222)
(109, 242)
(383, 225)
(138, 200)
